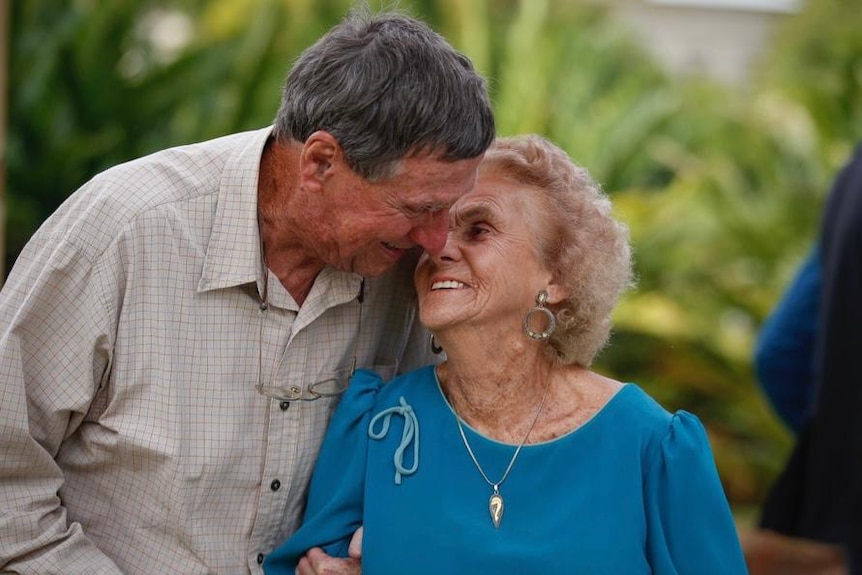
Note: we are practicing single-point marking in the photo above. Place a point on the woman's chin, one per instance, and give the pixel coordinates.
(437, 322)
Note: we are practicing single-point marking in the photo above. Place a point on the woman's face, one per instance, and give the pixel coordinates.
(488, 274)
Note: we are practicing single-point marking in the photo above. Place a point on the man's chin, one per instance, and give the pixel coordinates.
(374, 269)
(392, 252)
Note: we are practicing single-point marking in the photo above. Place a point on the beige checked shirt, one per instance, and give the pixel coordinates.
(132, 438)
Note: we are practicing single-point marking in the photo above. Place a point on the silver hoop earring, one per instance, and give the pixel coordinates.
(541, 300)
(436, 349)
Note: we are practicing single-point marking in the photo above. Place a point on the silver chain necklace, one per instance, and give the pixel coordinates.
(495, 503)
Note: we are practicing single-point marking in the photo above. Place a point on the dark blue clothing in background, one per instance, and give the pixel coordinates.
(784, 356)
(819, 494)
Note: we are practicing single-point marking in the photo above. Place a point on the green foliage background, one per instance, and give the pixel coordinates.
(722, 187)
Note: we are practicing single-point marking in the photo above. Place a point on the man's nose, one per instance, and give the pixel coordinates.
(433, 232)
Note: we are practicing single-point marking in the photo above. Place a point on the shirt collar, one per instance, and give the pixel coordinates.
(233, 251)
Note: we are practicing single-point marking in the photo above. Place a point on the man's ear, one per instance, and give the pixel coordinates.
(320, 152)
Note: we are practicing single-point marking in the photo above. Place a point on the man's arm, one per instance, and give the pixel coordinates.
(49, 359)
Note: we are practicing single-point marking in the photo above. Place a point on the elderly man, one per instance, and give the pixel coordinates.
(174, 338)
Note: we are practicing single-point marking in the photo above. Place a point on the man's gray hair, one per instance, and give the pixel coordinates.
(386, 87)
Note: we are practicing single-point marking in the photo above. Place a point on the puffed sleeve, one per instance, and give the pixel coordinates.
(690, 528)
(335, 500)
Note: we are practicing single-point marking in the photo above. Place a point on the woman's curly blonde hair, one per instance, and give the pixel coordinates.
(577, 238)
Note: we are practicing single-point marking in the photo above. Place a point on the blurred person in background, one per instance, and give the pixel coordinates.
(812, 518)
(174, 337)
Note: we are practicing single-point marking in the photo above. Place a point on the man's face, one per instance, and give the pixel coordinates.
(368, 226)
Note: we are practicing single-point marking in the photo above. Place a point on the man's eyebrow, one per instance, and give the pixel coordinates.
(424, 207)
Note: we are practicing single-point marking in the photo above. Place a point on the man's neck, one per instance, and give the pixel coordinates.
(295, 274)
(284, 252)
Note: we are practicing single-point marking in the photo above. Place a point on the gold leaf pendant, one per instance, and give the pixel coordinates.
(495, 508)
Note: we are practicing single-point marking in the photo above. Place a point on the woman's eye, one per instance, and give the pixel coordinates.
(474, 232)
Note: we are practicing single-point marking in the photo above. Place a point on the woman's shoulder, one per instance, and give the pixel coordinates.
(658, 427)
(645, 411)
(413, 384)
(369, 393)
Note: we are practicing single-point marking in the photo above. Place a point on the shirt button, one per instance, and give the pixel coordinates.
(284, 405)
(275, 485)
(259, 558)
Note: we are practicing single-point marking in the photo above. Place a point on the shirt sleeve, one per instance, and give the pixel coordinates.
(784, 357)
(54, 352)
(335, 500)
(690, 526)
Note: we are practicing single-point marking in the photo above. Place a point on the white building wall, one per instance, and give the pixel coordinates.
(722, 39)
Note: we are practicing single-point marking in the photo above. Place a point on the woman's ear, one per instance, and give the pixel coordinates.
(557, 293)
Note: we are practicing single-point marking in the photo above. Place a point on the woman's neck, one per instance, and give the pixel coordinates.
(496, 391)
(496, 385)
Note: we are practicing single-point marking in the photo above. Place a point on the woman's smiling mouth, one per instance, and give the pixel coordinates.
(448, 284)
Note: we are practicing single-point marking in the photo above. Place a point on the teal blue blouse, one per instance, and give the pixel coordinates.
(633, 491)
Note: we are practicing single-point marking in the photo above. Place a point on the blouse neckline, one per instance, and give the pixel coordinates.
(590, 422)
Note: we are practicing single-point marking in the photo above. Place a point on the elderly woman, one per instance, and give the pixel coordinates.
(512, 456)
